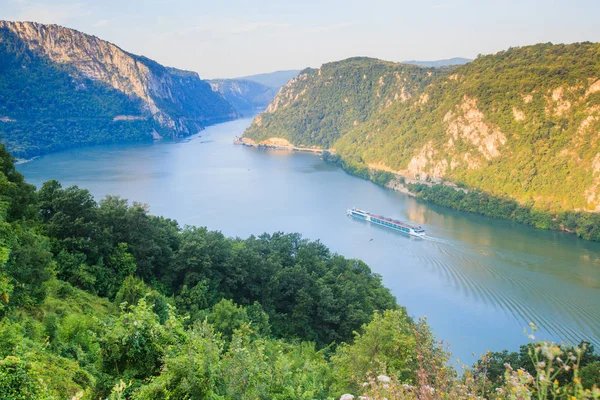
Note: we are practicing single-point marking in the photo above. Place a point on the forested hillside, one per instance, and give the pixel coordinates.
(104, 300)
(60, 88)
(319, 106)
(520, 125)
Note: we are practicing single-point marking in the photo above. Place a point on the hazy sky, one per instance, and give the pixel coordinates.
(234, 38)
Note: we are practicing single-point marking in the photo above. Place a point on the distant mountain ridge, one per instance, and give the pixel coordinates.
(254, 92)
(440, 63)
(521, 124)
(274, 79)
(244, 95)
(51, 65)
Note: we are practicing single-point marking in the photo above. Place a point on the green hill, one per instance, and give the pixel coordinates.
(319, 106)
(521, 125)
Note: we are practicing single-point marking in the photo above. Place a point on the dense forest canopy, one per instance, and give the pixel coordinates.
(103, 300)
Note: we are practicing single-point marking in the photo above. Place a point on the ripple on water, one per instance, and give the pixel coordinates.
(515, 294)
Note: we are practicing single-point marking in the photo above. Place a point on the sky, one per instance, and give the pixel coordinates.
(225, 39)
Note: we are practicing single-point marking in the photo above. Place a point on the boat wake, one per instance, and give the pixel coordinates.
(508, 287)
(436, 240)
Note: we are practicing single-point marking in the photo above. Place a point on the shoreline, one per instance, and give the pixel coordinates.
(242, 141)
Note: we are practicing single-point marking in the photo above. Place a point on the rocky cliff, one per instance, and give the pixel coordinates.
(178, 101)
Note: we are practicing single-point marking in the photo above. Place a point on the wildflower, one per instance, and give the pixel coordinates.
(556, 382)
(383, 379)
(577, 380)
(541, 364)
(347, 396)
(365, 384)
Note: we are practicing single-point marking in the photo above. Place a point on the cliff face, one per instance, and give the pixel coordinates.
(244, 95)
(177, 100)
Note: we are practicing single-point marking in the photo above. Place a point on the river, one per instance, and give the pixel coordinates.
(478, 280)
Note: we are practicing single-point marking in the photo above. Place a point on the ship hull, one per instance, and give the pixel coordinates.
(386, 222)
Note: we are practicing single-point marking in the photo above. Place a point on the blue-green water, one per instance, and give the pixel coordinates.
(479, 281)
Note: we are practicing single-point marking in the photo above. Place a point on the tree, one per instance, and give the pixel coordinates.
(386, 345)
(18, 381)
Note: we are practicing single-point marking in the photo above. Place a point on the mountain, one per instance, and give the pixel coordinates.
(319, 106)
(520, 125)
(244, 95)
(272, 79)
(61, 88)
(440, 63)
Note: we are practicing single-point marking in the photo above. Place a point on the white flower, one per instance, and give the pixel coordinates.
(383, 379)
(347, 396)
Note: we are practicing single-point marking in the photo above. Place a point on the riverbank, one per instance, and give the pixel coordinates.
(585, 225)
(277, 144)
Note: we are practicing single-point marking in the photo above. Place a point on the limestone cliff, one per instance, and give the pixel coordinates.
(177, 100)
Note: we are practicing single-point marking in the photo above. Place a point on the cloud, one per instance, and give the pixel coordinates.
(225, 27)
(328, 28)
(444, 5)
(50, 13)
(101, 22)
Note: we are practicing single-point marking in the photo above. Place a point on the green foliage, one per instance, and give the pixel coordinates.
(136, 343)
(227, 317)
(585, 225)
(387, 344)
(17, 380)
(491, 367)
(131, 291)
(590, 375)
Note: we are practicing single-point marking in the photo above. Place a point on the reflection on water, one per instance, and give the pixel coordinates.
(479, 280)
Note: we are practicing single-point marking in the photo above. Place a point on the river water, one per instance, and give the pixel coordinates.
(478, 280)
